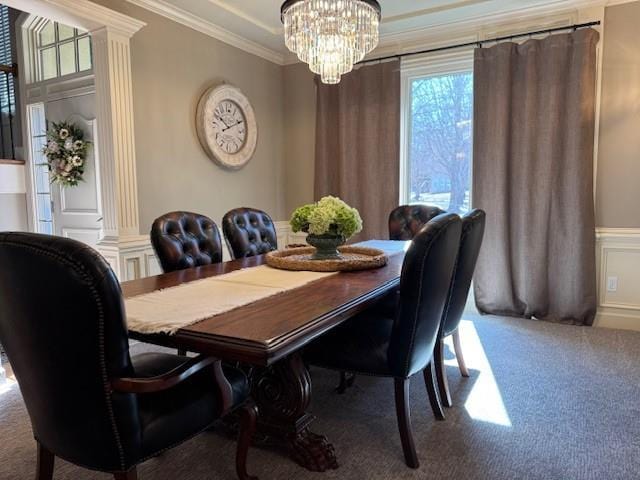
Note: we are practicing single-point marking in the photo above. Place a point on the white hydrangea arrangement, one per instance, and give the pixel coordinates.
(66, 153)
(329, 216)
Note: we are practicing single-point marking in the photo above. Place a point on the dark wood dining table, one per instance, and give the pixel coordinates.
(268, 336)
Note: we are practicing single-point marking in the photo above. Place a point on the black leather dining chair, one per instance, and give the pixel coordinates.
(62, 323)
(400, 346)
(470, 242)
(406, 221)
(249, 232)
(184, 240)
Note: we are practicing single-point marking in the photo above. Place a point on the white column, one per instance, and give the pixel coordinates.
(116, 139)
(121, 243)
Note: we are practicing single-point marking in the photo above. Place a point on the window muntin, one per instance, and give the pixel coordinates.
(62, 50)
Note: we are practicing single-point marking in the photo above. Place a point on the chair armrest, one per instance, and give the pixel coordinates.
(176, 376)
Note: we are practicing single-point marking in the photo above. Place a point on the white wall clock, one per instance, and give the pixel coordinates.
(226, 125)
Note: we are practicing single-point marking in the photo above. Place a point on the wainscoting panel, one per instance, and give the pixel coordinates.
(618, 256)
(152, 264)
(138, 260)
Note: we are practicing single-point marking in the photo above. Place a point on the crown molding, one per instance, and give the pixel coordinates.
(249, 18)
(190, 20)
(431, 10)
(483, 22)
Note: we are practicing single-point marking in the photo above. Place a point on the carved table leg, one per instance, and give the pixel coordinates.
(283, 393)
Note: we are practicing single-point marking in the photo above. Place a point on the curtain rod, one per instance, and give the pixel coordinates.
(479, 43)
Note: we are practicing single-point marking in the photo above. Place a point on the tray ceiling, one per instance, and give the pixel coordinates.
(254, 25)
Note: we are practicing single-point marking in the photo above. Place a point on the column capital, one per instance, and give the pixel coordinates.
(111, 33)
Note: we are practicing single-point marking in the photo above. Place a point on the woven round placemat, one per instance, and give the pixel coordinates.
(353, 258)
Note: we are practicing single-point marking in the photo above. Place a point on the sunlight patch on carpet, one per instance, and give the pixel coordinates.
(484, 402)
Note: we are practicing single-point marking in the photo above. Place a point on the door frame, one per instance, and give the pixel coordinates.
(34, 91)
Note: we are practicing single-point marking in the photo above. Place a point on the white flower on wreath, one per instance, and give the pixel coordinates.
(68, 167)
(78, 144)
(76, 161)
(68, 144)
(63, 133)
(53, 147)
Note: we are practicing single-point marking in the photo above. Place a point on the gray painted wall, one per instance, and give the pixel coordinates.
(618, 182)
(300, 135)
(172, 65)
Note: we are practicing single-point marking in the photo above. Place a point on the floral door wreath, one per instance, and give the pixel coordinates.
(66, 153)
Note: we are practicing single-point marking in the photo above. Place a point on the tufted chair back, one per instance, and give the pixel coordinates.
(407, 220)
(470, 243)
(424, 287)
(249, 232)
(186, 240)
(62, 325)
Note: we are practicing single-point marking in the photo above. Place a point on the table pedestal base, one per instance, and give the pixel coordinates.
(283, 393)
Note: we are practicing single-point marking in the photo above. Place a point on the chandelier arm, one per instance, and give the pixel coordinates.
(289, 3)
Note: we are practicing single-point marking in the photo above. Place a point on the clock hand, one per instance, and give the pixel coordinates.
(224, 123)
(234, 125)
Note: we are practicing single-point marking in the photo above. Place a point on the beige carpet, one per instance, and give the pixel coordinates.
(544, 401)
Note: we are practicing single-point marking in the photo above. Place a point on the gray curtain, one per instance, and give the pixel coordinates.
(358, 143)
(533, 173)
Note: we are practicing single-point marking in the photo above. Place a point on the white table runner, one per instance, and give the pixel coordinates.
(168, 310)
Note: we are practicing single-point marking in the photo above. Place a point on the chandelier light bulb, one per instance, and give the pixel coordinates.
(331, 35)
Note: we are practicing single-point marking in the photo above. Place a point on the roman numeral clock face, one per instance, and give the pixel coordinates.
(226, 126)
(230, 126)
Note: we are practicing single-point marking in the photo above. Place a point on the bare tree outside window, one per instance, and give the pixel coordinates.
(440, 147)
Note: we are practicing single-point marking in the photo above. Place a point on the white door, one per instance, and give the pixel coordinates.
(77, 211)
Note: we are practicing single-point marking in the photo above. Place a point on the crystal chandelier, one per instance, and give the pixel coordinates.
(331, 35)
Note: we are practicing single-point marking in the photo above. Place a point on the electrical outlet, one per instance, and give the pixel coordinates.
(612, 284)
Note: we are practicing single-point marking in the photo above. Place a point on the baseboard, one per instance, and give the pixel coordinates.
(620, 321)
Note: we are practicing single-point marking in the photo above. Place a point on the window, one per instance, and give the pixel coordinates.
(62, 50)
(438, 103)
(7, 87)
(40, 172)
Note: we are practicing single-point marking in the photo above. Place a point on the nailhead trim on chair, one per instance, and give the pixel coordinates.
(80, 270)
